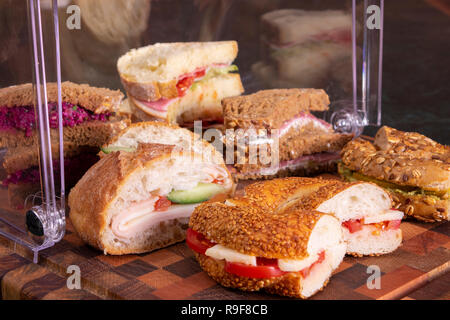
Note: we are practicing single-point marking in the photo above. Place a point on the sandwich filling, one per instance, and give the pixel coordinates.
(164, 206)
(23, 118)
(186, 82)
(304, 162)
(351, 175)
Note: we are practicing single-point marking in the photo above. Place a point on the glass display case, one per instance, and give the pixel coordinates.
(334, 45)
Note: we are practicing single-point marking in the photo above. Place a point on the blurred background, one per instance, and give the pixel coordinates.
(273, 50)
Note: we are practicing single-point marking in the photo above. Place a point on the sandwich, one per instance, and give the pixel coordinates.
(301, 47)
(288, 252)
(139, 196)
(273, 133)
(180, 82)
(370, 225)
(89, 117)
(23, 176)
(414, 169)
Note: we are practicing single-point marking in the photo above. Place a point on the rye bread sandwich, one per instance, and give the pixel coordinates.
(180, 82)
(89, 117)
(273, 133)
(300, 48)
(141, 193)
(288, 252)
(414, 169)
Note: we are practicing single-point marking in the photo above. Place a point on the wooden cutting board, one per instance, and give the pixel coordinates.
(172, 273)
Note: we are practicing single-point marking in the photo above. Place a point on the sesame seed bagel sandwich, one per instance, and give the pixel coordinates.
(180, 82)
(370, 225)
(414, 169)
(137, 199)
(292, 253)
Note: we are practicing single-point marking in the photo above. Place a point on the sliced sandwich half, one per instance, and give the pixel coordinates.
(88, 114)
(139, 196)
(180, 82)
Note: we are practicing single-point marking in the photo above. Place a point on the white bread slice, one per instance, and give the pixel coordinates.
(203, 101)
(152, 72)
(364, 242)
(108, 206)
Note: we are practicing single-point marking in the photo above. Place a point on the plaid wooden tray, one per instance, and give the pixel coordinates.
(172, 273)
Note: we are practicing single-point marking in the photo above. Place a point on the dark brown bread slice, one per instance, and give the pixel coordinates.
(270, 108)
(97, 100)
(93, 133)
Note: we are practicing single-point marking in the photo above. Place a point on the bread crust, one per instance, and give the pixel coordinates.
(90, 198)
(97, 100)
(268, 109)
(400, 168)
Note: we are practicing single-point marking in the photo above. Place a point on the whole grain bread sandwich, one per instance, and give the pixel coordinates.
(285, 251)
(273, 133)
(89, 117)
(180, 82)
(414, 169)
(141, 193)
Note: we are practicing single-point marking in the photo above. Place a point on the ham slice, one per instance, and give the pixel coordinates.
(141, 216)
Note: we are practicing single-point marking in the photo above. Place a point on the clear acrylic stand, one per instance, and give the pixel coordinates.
(41, 223)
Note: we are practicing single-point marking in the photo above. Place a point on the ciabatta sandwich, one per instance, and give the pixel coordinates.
(139, 196)
(180, 82)
(290, 252)
(414, 169)
(279, 122)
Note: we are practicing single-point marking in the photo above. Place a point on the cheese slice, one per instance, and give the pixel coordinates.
(290, 265)
(387, 215)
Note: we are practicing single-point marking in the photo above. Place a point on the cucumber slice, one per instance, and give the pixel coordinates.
(112, 149)
(200, 193)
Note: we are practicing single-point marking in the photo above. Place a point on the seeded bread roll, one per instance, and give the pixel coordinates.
(151, 73)
(255, 232)
(412, 167)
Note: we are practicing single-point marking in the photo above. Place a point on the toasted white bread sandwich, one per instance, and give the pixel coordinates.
(180, 82)
(290, 252)
(139, 196)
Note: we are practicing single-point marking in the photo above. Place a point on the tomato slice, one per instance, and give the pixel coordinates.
(197, 242)
(265, 268)
(353, 225)
(305, 272)
(394, 224)
(162, 204)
